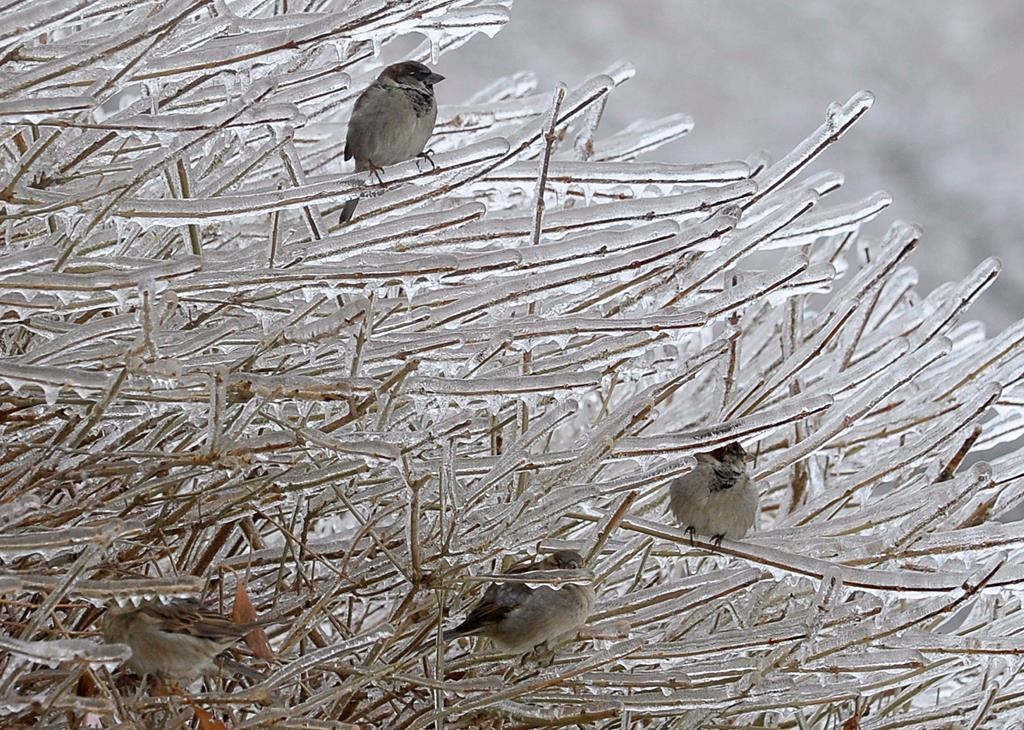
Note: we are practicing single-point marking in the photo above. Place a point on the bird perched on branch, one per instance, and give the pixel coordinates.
(519, 618)
(392, 120)
(718, 498)
(178, 640)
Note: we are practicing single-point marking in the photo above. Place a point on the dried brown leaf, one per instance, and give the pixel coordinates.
(244, 613)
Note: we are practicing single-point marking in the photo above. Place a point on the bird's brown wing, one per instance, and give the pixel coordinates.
(360, 102)
(498, 601)
(189, 617)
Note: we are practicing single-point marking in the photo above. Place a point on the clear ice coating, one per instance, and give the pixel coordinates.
(513, 347)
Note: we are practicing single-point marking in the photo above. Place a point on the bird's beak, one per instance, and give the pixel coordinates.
(433, 78)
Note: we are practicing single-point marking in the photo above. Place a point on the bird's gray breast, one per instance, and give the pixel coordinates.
(391, 124)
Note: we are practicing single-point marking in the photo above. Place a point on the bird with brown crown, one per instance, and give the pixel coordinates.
(391, 120)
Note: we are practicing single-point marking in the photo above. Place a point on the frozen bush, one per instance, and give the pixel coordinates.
(205, 379)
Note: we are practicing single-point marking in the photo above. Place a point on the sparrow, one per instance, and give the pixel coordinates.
(519, 619)
(717, 498)
(392, 120)
(178, 640)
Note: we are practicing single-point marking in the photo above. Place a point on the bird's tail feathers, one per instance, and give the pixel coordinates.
(453, 634)
(348, 211)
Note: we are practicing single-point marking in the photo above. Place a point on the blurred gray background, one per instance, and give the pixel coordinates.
(945, 136)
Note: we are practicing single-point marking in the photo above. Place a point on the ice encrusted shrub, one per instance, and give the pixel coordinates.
(205, 380)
